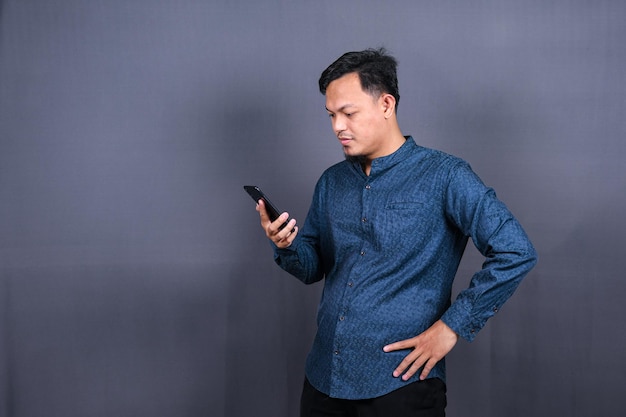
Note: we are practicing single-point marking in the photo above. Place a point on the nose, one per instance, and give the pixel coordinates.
(338, 124)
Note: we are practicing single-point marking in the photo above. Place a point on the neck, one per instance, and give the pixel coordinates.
(395, 142)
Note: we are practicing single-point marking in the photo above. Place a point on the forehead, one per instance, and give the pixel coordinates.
(345, 91)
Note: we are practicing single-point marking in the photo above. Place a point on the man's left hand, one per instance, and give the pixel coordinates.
(428, 349)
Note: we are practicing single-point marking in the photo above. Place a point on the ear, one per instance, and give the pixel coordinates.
(388, 104)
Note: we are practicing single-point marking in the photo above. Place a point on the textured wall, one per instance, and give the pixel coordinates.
(134, 278)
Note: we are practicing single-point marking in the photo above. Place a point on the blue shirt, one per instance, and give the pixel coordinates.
(388, 246)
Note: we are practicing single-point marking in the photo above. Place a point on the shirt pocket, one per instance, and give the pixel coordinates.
(404, 205)
(407, 224)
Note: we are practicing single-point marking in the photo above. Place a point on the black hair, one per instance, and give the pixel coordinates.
(375, 67)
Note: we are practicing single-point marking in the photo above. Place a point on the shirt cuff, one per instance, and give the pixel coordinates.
(460, 319)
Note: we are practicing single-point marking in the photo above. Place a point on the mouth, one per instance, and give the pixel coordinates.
(344, 140)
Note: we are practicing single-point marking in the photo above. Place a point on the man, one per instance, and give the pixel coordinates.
(386, 231)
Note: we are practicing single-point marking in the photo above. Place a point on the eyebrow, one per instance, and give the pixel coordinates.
(340, 108)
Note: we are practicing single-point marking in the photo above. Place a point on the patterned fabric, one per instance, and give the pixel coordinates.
(388, 246)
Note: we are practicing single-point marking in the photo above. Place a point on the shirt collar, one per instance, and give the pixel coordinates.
(382, 164)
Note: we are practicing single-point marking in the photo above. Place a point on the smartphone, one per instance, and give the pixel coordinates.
(256, 194)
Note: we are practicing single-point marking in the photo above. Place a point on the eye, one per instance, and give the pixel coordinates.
(331, 115)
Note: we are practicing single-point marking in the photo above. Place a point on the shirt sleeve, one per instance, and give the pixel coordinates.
(509, 254)
(303, 258)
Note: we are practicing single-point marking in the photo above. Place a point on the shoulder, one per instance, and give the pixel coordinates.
(439, 157)
(338, 168)
(440, 164)
(337, 172)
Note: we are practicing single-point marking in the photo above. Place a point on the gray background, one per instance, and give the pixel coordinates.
(134, 278)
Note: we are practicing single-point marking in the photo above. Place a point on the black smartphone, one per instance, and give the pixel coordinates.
(256, 194)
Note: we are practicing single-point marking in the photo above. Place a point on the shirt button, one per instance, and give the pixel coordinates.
(364, 219)
(350, 284)
(368, 187)
(342, 318)
(362, 253)
(336, 352)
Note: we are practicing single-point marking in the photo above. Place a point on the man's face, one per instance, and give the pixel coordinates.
(358, 118)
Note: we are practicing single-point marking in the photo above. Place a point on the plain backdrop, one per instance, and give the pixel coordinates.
(134, 277)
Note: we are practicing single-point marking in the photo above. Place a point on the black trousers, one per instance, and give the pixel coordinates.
(418, 399)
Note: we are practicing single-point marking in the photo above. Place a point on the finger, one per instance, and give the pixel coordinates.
(427, 368)
(415, 367)
(403, 344)
(265, 218)
(293, 231)
(286, 242)
(286, 236)
(276, 227)
(406, 363)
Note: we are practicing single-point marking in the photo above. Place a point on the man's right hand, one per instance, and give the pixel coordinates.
(282, 238)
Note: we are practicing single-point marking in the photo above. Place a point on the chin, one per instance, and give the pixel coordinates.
(355, 158)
